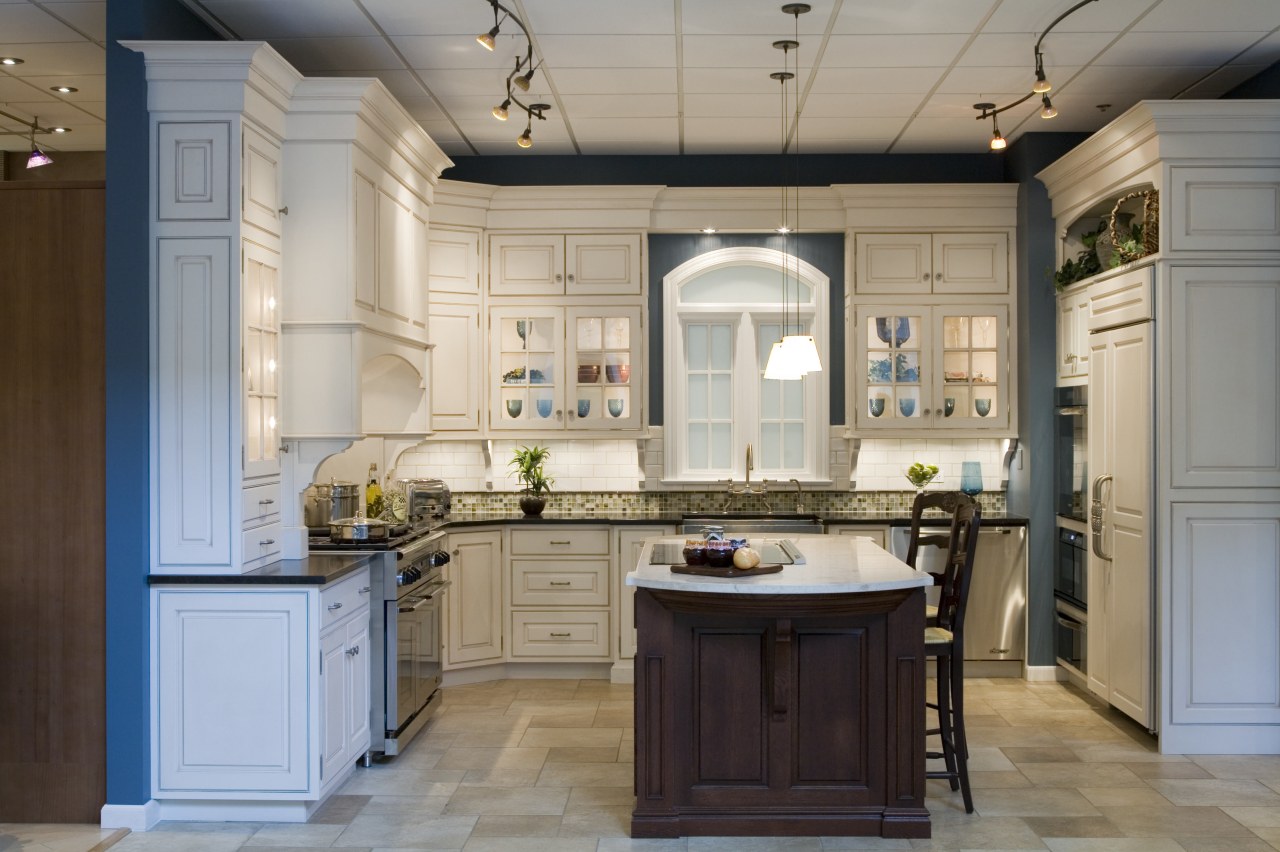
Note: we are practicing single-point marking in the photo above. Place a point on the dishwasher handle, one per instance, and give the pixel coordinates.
(1097, 513)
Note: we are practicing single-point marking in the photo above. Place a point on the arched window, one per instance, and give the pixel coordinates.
(723, 312)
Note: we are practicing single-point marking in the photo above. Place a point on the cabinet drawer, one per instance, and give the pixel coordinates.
(260, 545)
(560, 634)
(260, 504)
(1123, 299)
(565, 541)
(340, 599)
(560, 583)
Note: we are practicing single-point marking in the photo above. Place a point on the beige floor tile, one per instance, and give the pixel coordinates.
(1046, 754)
(1167, 769)
(584, 800)
(1124, 797)
(506, 825)
(545, 693)
(381, 781)
(501, 777)
(152, 841)
(1050, 717)
(1112, 844)
(1269, 835)
(1086, 736)
(587, 775)
(1257, 767)
(1122, 752)
(875, 843)
(989, 759)
(278, 834)
(577, 737)
(569, 754)
(974, 832)
(392, 830)
(471, 722)
(1010, 735)
(1215, 792)
(492, 758)
(626, 844)
(1080, 775)
(618, 703)
(539, 801)
(530, 844)
(1255, 816)
(1034, 801)
(339, 809)
(1072, 826)
(57, 837)
(995, 720)
(1173, 821)
(407, 806)
(614, 719)
(1224, 844)
(488, 739)
(983, 780)
(605, 822)
(754, 844)
(575, 719)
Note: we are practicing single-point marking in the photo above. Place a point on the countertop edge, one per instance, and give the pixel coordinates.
(319, 569)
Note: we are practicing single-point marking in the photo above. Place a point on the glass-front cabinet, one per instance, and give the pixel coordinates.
(931, 367)
(261, 313)
(565, 368)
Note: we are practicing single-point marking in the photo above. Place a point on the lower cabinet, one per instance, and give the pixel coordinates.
(260, 692)
(560, 594)
(473, 607)
(630, 541)
(878, 534)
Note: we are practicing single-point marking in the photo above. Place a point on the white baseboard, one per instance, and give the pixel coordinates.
(195, 810)
(1045, 674)
(1220, 739)
(623, 671)
(132, 817)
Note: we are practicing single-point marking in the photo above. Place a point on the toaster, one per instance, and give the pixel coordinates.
(425, 499)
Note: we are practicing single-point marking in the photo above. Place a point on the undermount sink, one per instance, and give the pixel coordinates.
(747, 522)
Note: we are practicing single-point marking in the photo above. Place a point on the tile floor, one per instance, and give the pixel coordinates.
(545, 766)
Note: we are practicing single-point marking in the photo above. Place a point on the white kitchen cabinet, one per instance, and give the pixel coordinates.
(260, 163)
(946, 367)
(577, 369)
(454, 299)
(941, 263)
(260, 380)
(1073, 335)
(1120, 572)
(261, 692)
(630, 541)
(877, 534)
(565, 264)
(560, 593)
(474, 614)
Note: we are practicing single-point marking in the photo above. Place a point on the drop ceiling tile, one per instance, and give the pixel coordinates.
(54, 114)
(468, 81)
(55, 58)
(292, 18)
(431, 17)
(623, 129)
(452, 52)
(1017, 50)
(733, 132)
(88, 18)
(1154, 81)
(319, 56)
(580, 51)
(422, 109)
(764, 20)
(614, 146)
(635, 17)
(912, 16)
(1223, 80)
(740, 106)
(480, 107)
(891, 51)
(957, 105)
(1011, 78)
(92, 87)
(401, 84)
(871, 105)
(818, 130)
(876, 80)
(441, 131)
(86, 139)
(1031, 17)
(603, 80)
(1205, 48)
(618, 106)
(1266, 52)
(1193, 16)
(698, 144)
(30, 24)
(730, 81)
(742, 51)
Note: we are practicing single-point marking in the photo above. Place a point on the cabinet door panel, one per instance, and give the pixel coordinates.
(526, 374)
(398, 241)
(966, 264)
(603, 264)
(261, 176)
(893, 264)
(454, 262)
(605, 369)
(526, 264)
(474, 602)
(193, 170)
(260, 310)
(455, 373)
(366, 241)
(358, 695)
(972, 376)
(333, 702)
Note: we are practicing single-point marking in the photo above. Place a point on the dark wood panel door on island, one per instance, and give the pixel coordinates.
(777, 715)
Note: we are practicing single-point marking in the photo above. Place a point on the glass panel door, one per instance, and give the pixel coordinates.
(260, 309)
(973, 367)
(893, 368)
(604, 369)
(527, 347)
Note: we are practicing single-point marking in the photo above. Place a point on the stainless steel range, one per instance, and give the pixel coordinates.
(405, 629)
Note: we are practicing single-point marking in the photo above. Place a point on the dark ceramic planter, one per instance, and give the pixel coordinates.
(531, 505)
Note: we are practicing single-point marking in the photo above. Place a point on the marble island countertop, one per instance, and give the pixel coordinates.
(833, 565)
(624, 516)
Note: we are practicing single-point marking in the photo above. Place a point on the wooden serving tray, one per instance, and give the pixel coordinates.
(727, 571)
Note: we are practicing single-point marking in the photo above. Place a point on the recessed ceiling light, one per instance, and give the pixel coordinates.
(10, 60)
(63, 90)
(60, 129)
(708, 230)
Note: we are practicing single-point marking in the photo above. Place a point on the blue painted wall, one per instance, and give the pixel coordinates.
(127, 370)
(1266, 85)
(825, 251)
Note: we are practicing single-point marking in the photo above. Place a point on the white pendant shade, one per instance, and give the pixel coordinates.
(781, 366)
(803, 353)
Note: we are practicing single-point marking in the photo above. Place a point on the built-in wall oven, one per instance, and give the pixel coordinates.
(1071, 447)
(1071, 596)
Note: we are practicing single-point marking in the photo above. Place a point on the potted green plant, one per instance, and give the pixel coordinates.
(528, 462)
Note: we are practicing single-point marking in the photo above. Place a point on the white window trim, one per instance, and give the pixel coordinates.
(817, 398)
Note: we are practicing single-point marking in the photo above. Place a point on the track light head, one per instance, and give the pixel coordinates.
(500, 111)
(1048, 110)
(998, 142)
(37, 158)
(487, 40)
(525, 140)
(1042, 84)
(522, 82)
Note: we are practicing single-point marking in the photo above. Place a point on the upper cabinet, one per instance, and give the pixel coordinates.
(1073, 335)
(565, 264)
(942, 263)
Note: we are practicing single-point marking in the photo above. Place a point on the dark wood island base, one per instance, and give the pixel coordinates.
(780, 715)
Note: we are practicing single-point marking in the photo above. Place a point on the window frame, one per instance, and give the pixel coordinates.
(746, 380)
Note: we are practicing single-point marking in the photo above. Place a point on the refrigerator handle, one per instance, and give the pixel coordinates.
(1096, 513)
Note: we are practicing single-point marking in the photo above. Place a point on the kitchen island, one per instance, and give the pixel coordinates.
(782, 704)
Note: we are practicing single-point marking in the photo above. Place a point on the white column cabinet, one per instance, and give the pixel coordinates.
(473, 606)
(1073, 335)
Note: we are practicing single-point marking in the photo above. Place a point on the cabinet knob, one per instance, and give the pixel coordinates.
(937, 276)
(559, 277)
(570, 277)
(937, 412)
(352, 651)
(284, 211)
(334, 607)
(559, 413)
(365, 590)
(572, 414)
(455, 552)
(924, 277)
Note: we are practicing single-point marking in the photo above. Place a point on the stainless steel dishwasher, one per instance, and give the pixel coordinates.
(995, 624)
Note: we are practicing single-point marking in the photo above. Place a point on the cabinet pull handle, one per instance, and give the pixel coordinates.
(555, 541)
(266, 501)
(561, 635)
(561, 583)
(334, 607)
(365, 590)
(266, 541)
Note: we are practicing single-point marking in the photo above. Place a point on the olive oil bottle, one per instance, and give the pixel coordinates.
(373, 503)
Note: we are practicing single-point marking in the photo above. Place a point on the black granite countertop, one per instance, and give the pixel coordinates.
(315, 570)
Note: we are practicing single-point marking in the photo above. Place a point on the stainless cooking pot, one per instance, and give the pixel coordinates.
(331, 502)
(358, 528)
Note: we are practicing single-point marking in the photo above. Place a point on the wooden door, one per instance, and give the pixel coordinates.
(52, 716)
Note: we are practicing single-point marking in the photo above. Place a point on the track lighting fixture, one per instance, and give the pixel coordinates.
(516, 81)
(1041, 87)
(37, 157)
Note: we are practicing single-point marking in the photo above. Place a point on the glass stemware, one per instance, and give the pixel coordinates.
(522, 329)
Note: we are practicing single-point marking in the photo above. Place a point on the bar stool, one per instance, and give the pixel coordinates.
(946, 501)
(944, 632)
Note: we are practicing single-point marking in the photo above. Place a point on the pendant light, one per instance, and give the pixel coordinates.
(37, 158)
(801, 350)
(779, 367)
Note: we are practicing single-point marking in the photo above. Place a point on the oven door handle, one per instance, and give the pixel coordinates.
(426, 598)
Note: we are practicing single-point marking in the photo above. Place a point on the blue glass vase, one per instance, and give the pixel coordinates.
(971, 477)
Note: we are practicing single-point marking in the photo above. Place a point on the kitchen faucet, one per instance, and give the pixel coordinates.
(762, 490)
